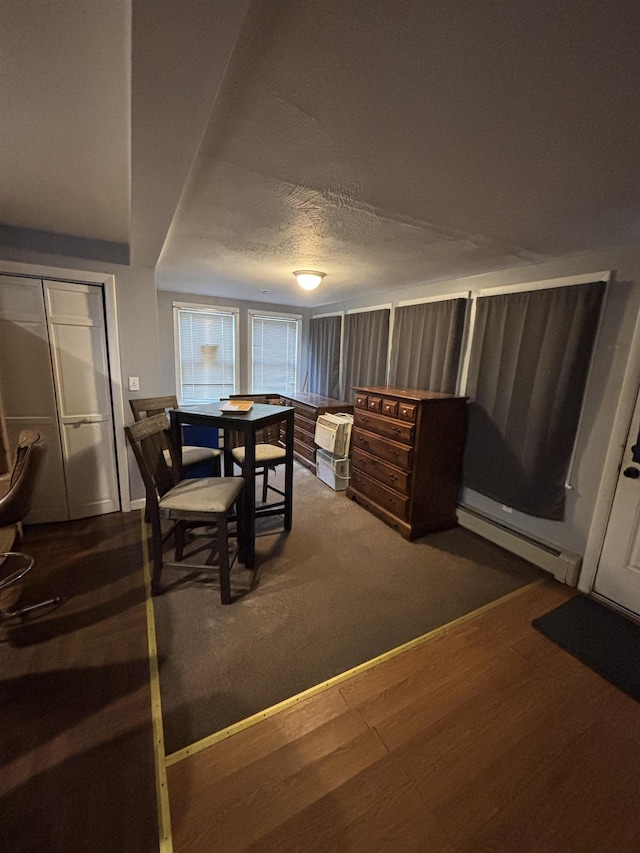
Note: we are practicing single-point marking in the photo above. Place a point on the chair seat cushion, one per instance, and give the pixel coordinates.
(265, 454)
(202, 495)
(192, 455)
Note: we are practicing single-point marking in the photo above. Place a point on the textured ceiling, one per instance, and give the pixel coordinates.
(386, 144)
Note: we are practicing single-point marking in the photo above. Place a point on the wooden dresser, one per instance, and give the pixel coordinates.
(307, 408)
(407, 448)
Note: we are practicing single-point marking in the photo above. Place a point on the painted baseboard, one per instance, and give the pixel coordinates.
(563, 565)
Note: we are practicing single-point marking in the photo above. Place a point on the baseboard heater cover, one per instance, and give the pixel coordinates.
(563, 565)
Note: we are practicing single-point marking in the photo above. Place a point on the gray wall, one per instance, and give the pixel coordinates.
(167, 353)
(603, 390)
(146, 350)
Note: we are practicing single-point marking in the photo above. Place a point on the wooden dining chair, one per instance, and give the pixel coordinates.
(194, 457)
(188, 504)
(269, 450)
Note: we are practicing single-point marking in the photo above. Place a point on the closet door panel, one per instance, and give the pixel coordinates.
(27, 389)
(81, 375)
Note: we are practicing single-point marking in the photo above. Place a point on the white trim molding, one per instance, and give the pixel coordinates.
(108, 283)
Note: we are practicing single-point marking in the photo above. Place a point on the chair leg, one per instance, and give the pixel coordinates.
(156, 552)
(14, 577)
(223, 560)
(265, 483)
(240, 528)
(179, 534)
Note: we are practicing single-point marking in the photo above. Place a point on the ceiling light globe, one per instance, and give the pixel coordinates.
(309, 279)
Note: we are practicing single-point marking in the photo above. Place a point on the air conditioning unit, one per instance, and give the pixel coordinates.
(333, 433)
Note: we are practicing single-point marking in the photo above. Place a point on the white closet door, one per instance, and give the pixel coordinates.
(81, 374)
(27, 390)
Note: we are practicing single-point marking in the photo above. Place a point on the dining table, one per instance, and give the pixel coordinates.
(248, 424)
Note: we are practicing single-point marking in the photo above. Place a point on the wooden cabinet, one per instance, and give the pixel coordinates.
(407, 448)
(307, 408)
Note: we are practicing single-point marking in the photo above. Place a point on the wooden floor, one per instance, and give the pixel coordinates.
(76, 752)
(486, 737)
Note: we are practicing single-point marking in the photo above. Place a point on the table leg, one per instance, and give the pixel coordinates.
(288, 475)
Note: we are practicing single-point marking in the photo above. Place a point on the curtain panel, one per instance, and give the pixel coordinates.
(528, 370)
(324, 356)
(366, 340)
(426, 345)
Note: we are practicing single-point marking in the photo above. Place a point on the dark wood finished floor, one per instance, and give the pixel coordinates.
(486, 737)
(76, 751)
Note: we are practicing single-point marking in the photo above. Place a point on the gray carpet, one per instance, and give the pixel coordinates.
(340, 589)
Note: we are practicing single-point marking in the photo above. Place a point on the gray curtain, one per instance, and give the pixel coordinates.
(324, 356)
(426, 346)
(529, 361)
(366, 339)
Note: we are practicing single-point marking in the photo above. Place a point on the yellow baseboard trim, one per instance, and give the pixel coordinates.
(162, 790)
(212, 739)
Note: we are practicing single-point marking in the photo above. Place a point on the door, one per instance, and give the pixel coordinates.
(27, 389)
(78, 343)
(618, 574)
(54, 377)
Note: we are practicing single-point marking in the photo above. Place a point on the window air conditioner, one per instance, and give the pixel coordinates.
(333, 433)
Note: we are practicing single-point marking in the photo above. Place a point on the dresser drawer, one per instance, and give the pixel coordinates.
(381, 471)
(391, 451)
(362, 401)
(303, 436)
(308, 453)
(391, 501)
(374, 404)
(397, 430)
(407, 411)
(389, 407)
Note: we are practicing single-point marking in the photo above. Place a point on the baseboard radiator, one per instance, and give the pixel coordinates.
(563, 565)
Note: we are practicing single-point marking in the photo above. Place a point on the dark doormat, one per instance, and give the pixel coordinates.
(603, 640)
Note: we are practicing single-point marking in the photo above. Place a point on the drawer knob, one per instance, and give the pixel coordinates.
(396, 430)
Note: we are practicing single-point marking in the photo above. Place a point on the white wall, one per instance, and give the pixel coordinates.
(602, 393)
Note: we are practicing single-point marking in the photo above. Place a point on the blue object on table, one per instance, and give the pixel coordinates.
(200, 436)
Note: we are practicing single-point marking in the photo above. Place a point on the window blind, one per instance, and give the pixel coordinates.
(206, 355)
(274, 354)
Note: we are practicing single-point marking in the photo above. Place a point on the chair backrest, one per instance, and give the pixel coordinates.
(155, 454)
(146, 407)
(268, 435)
(15, 503)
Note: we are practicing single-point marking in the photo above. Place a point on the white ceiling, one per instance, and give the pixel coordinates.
(385, 143)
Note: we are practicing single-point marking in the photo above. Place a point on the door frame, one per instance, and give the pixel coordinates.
(617, 443)
(108, 283)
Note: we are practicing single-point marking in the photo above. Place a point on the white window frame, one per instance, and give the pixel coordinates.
(204, 309)
(278, 315)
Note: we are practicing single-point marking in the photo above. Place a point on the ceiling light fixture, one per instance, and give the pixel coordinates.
(309, 279)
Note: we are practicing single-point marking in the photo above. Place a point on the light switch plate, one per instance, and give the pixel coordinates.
(134, 383)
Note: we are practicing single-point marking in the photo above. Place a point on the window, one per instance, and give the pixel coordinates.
(528, 369)
(274, 349)
(427, 344)
(205, 346)
(366, 341)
